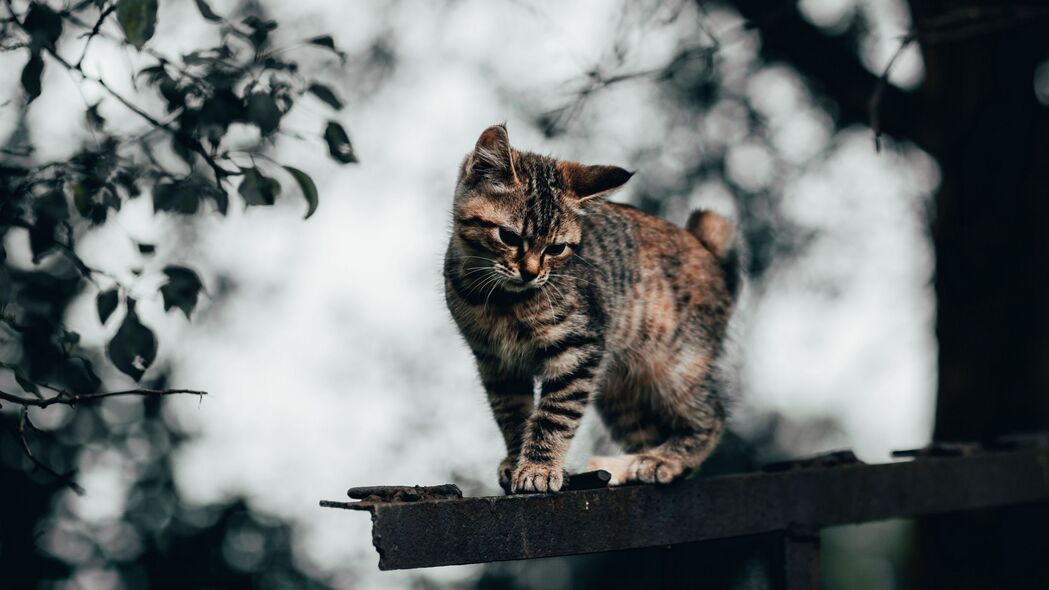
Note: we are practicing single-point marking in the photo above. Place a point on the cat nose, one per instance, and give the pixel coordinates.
(526, 276)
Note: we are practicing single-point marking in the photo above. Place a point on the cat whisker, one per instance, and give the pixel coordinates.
(494, 287)
(483, 283)
(477, 269)
(460, 257)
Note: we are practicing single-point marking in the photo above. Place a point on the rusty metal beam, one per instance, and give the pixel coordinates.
(809, 497)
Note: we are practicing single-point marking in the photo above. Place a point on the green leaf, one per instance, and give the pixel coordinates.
(260, 30)
(309, 190)
(180, 196)
(182, 289)
(43, 24)
(257, 188)
(339, 145)
(106, 303)
(218, 194)
(139, 20)
(42, 238)
(324, 93)
(207, 12)
(134, 347)
(51, 205)
(323, 41)
(327, 42)
(31, 73)
(264, 112)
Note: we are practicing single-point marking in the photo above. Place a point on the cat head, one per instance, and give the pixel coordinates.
(519, 212)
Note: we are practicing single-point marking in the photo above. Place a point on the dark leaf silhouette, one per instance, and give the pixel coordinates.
(43, 24)
(264, 112)
(258, 189)
(139, 20)
(52, 205)
(134, 347)
(323, 41)
(309, 190)
(207, 12)
(31, 73)
(339, 145)
(182, 289)
(178, 196)
(42, 238)
(326, 94)
(106, 303)
(260, 30)
(327, 42)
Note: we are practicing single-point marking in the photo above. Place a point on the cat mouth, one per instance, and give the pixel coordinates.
(516, 286)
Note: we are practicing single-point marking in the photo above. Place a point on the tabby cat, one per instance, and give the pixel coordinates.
(597, 302)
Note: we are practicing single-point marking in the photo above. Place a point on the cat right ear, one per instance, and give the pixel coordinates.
(492, 157)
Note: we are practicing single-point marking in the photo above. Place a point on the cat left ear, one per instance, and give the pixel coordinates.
(493, 157)
(591, 182)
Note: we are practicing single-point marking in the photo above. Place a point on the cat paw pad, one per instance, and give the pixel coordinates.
(537, 478)
(656, 469)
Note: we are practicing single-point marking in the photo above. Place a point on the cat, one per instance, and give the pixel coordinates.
(599, 303)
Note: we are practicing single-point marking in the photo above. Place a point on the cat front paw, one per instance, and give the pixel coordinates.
(654, 468)
(506, 473)
(529, 478)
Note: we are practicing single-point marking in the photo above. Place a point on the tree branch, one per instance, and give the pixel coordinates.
(65, 398)
(219, 171)
(72, 399)
(831, 65)
(65, 479)
(95, 30)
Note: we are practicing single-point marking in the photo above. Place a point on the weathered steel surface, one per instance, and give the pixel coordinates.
(473, 530)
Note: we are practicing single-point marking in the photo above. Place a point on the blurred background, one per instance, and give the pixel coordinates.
(324, 344)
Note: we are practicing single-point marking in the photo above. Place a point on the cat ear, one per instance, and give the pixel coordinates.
(590, 182)
(492, 157)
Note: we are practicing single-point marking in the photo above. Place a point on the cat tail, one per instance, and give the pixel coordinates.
(718, 234)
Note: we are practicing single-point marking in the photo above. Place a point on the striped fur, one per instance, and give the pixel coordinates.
(594, 302)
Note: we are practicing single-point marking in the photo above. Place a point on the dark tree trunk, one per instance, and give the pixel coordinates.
(982, 122)
(978, 115)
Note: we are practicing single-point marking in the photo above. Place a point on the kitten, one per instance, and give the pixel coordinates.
(598, 302)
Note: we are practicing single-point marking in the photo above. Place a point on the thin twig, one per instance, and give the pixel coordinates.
(67, 399)
(874, 105)
(219, 171)
(94, 31)
(65, 479)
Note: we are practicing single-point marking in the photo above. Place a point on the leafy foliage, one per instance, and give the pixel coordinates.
(257, 188)
(106, 302)
(139, 20)
(184, 157)
(339, 145)
(309, 190)
(134, 347)
(182, 289)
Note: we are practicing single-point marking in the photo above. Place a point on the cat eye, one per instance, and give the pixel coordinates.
(510, 238)
(556, 249)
